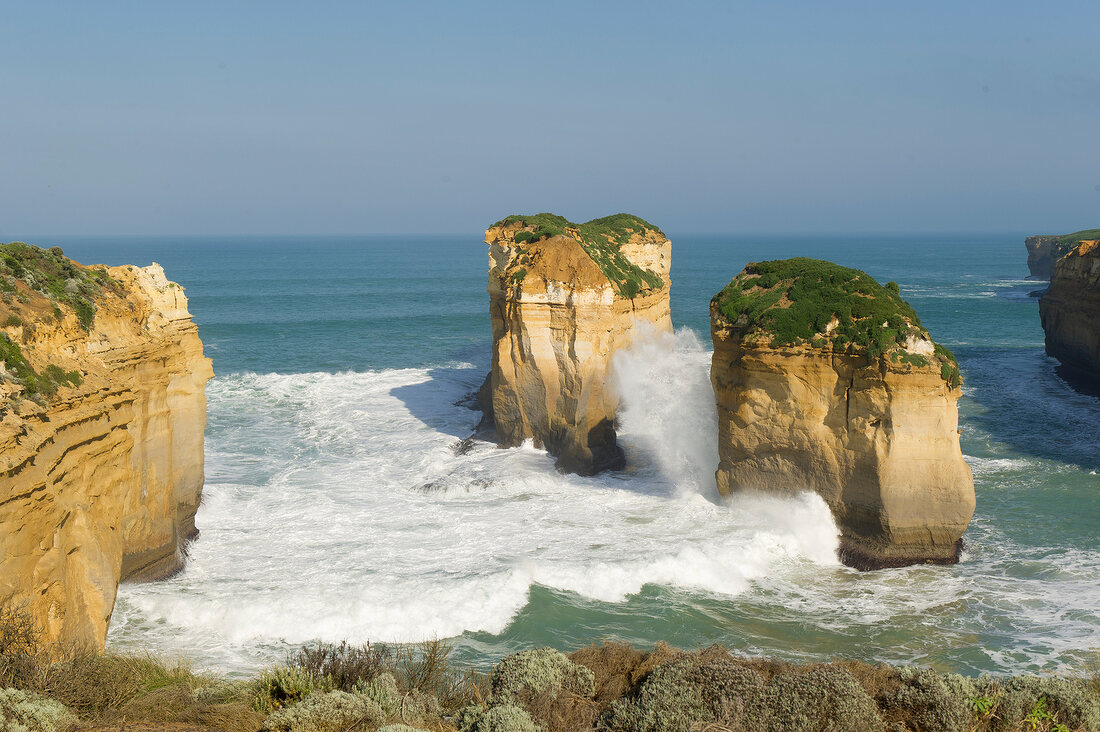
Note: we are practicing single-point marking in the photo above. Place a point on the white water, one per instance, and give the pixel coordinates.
(337, 506)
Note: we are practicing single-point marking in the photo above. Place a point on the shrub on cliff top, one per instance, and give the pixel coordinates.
(601, 239)
(931, 701)
(333, 711)
(1071, 240)
(822, 698)
(801, 300)
(50, 273)
(709, 689)
(25, 711)
(553, 690)
(1065, 701)
(422, 670)
(500, 718)
(284, 686)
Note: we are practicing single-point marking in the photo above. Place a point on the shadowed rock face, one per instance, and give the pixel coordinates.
(563, 298)
(1070, 313)
(870, 426)
(1045, 250)
(101, 481)
(1042, 253)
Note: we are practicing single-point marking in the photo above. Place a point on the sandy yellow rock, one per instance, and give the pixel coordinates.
(557, 320)
(876, 437)
(102, 484)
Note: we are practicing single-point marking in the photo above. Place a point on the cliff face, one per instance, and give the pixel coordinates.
(1045, 250)
(563, 298)
(102, 437)
(1070, 312)
(826, 381)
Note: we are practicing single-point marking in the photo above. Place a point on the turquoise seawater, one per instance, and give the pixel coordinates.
(336, 505)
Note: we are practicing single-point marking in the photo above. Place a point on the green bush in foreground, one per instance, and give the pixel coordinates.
(823, 698)
(665, 701)
(501, 718)
(26, 711)
(332, 711)
(283, 686)
(931, 701)
(1033, 699)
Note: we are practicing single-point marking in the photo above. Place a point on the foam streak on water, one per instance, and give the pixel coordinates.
(336, 506)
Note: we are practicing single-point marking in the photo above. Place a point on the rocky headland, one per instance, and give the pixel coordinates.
(102, 413)
(563, 298)
(1046, 249)
(825, 380)
(1070, 313)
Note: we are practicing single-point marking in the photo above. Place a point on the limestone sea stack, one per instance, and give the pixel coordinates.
(1046, 249)
(564, 298)
(102, 413)
(825, 380)
(1070, 313)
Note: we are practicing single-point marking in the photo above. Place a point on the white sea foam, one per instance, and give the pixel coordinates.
(338, 507)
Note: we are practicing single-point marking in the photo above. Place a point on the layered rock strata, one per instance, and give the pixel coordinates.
(1045, 250)
(1070, 312)
(103, 407)
(825, 380)
(564, 298)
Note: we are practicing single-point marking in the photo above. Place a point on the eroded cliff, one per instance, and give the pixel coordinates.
(1045, 250)
(102, 413)
(1070, 312)
(825, 380)
(563, 298)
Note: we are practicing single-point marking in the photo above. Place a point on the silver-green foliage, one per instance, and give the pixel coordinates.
(1068, 701)
(283, 686)
(823, 698)
(664, 702)
(682, 695)
(522, 675)
(331, 711)
(399, 728)
(415, 706)
(25, 711)
(932, 701)
(499, 718)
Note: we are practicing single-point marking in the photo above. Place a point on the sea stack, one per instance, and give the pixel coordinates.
(825, 380)
(564, 298)
(1070, 313)
(102, 413)
(1046, 249)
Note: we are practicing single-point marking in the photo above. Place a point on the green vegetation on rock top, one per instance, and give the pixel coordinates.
(1072, 240)
(602, 239)
(50, 273)
(791, 301)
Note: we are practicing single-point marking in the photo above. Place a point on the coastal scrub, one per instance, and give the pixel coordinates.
(602, 239)
(800, 301)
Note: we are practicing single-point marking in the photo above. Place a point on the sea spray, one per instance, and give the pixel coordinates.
(337, 508)
(667, 413)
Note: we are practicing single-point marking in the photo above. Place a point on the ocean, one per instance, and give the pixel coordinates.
(337, 505)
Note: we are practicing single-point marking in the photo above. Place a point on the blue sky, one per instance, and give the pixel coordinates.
(371, 117)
